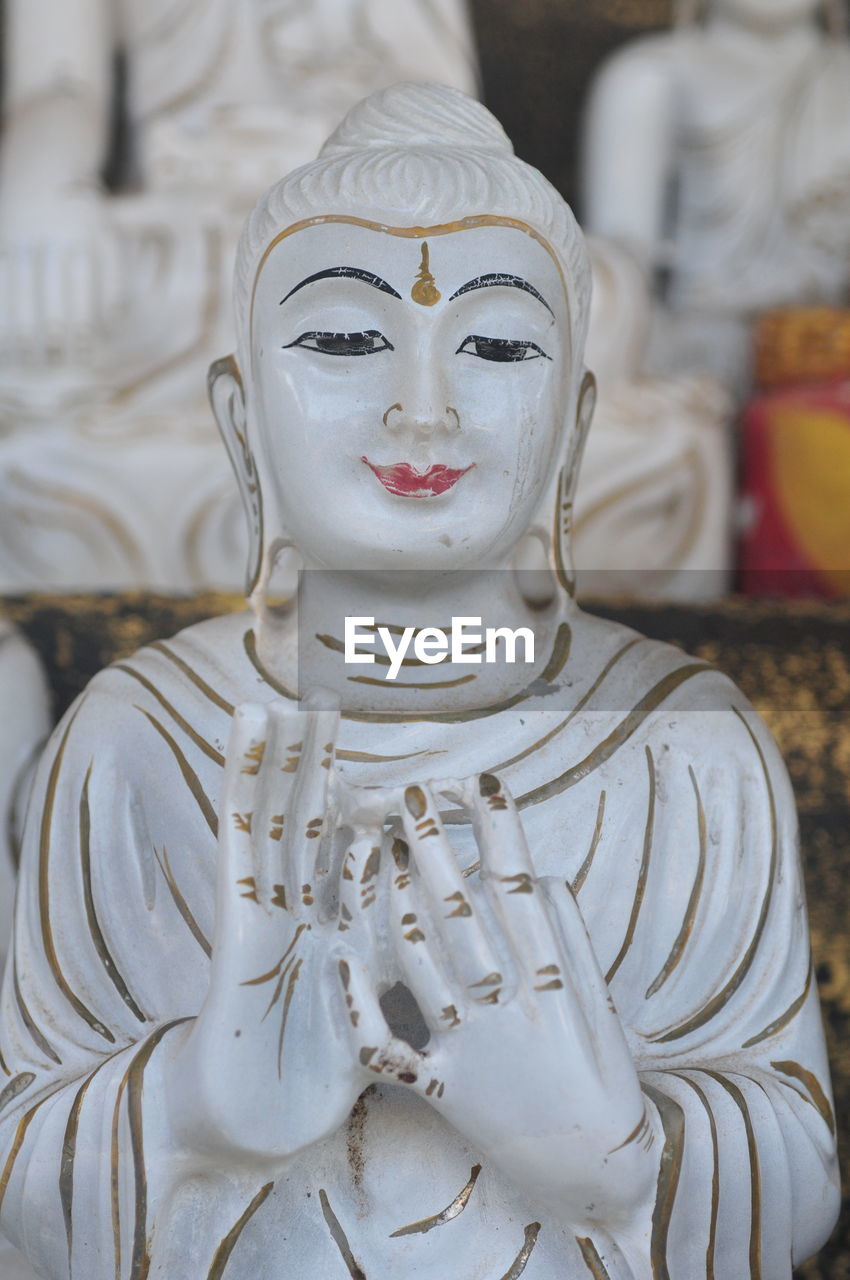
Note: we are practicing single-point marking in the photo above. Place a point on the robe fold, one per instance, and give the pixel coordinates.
(648, 783)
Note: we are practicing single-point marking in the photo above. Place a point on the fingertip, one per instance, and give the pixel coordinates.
(321, 699)
(249, 715)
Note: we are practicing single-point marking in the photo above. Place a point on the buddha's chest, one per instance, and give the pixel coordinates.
(397, 1192)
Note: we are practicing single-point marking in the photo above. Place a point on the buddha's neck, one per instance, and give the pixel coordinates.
(404, 604)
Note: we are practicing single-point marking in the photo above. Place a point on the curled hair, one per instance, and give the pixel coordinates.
(418, 155)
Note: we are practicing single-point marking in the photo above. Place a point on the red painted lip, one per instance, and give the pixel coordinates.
(405, 481)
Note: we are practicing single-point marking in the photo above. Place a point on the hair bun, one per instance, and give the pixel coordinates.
(409, 115)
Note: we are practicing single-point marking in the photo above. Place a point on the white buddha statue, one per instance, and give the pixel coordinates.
(24, 727)
(720, 154)
(493, 969)
(653, 510)
(112, 305)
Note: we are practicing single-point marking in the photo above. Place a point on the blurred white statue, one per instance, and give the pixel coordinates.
(720, 153)
(112, 306)
(653, 506)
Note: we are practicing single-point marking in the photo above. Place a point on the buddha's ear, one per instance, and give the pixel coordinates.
(565, 487)
(227, 396)
(585, 408)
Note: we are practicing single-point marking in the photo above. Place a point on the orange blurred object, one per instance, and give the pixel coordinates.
(795, 345)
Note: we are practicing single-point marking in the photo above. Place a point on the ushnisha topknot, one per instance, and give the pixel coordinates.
(418, 155)
(405, 115)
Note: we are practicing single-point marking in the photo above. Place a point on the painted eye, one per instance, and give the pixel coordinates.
(501, 350)
(368, 343)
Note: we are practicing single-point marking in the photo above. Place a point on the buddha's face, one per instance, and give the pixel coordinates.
(410, 390)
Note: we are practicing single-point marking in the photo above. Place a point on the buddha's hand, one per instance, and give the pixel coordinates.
(267, 1067)
(527, 1056)
(61, 270)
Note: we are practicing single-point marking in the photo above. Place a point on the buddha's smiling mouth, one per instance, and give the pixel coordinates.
(404, 480)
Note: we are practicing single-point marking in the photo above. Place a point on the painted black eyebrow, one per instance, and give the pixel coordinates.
(351, 273)
(499, 278)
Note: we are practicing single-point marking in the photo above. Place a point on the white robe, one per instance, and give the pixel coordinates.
(660, 797)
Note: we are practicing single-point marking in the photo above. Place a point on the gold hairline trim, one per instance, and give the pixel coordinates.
(411, 233)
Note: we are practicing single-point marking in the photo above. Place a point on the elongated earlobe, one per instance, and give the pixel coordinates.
(562, 520)
(227, 396)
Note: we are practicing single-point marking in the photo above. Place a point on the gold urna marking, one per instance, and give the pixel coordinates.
(98, 940)
(425, 290)
(673, 1122)
(591, 1257)
(180, 902)
(642, 874)
(451, 1211)
(339, 1237)
(228, 1244)
(520, 1262)
(755, 1172)
(693, 901)
(715, 1177)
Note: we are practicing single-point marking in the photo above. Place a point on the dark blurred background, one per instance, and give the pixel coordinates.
(537, 59)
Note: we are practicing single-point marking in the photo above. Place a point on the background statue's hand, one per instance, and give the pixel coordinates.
(267, 1067)
(60, 284)
(527, 1056)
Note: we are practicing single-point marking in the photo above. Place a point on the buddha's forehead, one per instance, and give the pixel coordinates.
(451, 255)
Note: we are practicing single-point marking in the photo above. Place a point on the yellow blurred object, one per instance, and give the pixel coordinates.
(802, 344)
(810, 462)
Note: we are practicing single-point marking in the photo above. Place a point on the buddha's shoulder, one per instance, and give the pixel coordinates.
(654, 696)
(205, 670)
(642, 66)
(637, 671)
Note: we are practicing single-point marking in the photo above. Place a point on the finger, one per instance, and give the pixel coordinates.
(378, 1051)
(358, 883)
(260, 765)
(598, 1009)
(311, 754)
(237, 881)
(418, 947)
(459, 922)
(508, 877)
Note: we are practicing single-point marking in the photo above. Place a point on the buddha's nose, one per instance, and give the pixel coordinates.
(422, 408)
